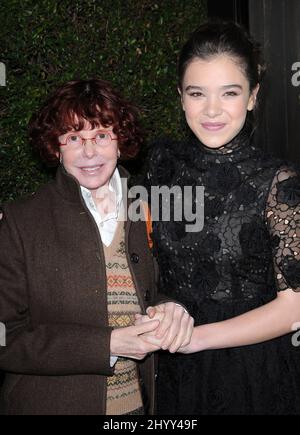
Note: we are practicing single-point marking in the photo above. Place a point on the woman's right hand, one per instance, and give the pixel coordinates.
(127, 342)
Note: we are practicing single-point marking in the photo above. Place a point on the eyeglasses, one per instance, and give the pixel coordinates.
(101, 139)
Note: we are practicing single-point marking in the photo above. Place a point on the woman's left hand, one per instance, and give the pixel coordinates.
(175, 328)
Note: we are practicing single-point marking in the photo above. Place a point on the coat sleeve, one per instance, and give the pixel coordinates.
(46, 349)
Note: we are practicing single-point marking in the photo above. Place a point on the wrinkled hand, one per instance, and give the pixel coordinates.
(127, 342)
(175, 328)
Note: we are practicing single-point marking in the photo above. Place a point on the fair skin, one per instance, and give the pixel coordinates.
(215, 97)
(176, 326)
(215, 111)
(93, 167)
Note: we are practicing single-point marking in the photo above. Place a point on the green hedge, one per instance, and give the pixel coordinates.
(132, 43)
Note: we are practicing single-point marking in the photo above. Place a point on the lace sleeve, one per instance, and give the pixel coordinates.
(283, 218)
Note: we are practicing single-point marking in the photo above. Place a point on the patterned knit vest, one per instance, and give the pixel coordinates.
(123, 390)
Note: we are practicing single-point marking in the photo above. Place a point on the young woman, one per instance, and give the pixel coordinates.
(240, 276)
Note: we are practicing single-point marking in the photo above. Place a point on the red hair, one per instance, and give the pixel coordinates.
(76, 102)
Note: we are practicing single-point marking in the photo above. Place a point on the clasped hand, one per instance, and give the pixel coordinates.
(166, 326)
(175, 326)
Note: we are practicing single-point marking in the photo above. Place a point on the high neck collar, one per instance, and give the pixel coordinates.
(228, 149)
(239, 149)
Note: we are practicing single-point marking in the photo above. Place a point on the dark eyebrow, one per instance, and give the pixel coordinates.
(190, 87)
(200, 88)
(232, 86)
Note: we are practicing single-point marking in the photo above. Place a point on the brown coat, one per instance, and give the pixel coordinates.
(53, 303)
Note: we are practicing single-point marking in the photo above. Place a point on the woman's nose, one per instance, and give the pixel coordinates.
(213, 107)
(89, 148)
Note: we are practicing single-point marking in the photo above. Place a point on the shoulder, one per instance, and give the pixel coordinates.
(29, 204)
(271, 169)
(286, 186)
(162, 148)
(280, 170)
(286, 171)
(166, 156)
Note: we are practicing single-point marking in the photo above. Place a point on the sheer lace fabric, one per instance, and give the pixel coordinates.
(248, 250)
(283, 217)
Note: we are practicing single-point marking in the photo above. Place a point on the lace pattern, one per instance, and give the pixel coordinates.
(247, 251)
(249, 247)
(283, 217)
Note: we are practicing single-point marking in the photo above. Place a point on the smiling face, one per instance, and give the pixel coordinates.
(215, 96)
(92, 165)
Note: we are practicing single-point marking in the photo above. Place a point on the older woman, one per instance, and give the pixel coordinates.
(74, 276)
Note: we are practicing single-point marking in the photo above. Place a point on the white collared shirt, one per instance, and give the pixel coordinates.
(107, 224)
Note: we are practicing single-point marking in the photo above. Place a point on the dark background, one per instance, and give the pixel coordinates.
(134, 44)
(276, 24)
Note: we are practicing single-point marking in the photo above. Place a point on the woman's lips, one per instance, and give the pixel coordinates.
(213, 126)
(91, 169)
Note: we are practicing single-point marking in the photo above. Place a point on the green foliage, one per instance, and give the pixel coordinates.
(132, 43)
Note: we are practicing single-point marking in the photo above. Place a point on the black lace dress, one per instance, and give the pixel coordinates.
(248, 250)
